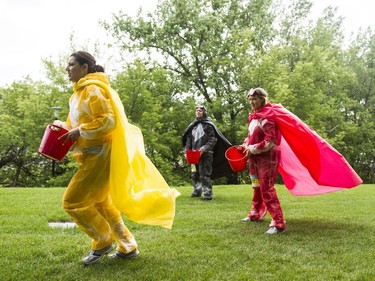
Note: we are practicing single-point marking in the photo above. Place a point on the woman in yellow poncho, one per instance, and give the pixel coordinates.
(114, 174)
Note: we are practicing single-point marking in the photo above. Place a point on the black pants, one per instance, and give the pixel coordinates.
(202, 176)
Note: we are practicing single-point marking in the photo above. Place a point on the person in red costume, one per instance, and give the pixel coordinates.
(262, 148)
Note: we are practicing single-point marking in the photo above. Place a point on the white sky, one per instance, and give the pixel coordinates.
(31, 30)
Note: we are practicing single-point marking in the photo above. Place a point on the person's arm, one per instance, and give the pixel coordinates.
(102, 120)
(209, 145)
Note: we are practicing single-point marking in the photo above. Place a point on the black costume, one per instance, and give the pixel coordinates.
(203, 134)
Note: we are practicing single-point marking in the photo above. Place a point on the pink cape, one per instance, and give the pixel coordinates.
(308, 164)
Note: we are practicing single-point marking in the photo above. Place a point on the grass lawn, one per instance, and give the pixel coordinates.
(328, 237)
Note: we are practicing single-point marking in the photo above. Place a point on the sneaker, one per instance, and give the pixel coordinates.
(247, 219)
(96, 255)
(120, 255)
(274, 230)
(195, 195)
(207, 198)
(273, 223)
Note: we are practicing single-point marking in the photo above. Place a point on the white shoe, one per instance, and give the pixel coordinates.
(274, 230)
(247, 219)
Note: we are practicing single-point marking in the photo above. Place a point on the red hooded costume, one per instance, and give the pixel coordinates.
(279, 141)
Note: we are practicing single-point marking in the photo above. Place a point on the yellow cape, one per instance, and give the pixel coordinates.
(137, 188)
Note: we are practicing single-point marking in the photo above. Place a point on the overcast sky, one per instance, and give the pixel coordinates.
(31, 30)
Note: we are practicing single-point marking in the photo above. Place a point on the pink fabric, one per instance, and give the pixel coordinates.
(296, 177)
(308, 164)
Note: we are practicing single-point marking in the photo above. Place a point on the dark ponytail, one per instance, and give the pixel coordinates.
(84, 57)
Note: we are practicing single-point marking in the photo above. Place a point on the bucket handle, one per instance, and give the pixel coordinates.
(54, 128)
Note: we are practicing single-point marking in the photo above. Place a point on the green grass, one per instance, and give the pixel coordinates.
(328, 237)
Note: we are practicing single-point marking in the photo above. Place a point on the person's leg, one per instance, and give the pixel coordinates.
(197, 185)
(267, 171)
(88, 187)
(205, 171)
(125, 240)
(258, 207)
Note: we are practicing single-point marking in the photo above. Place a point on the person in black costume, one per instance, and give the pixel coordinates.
(202, 134)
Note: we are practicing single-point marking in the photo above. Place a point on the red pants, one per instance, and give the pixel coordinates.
(264, 168)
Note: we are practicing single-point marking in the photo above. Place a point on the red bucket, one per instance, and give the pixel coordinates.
(237, 159)
(51, 147)
(193, 156)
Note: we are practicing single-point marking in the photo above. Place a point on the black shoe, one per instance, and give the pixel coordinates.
(207, 198)
(195, 195)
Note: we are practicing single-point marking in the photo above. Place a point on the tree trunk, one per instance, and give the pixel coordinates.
(17, 175)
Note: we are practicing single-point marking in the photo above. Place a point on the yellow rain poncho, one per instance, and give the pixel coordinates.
(136, 187)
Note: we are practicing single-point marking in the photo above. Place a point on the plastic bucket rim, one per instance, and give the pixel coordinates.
(241, 160)
(232, 147)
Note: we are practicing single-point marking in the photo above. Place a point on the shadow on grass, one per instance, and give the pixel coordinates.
(324, 227)
(311, 228)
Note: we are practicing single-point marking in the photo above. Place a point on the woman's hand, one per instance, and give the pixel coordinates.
(72, 135)
(247, 151)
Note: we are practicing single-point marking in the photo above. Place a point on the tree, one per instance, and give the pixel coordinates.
(24, 113)
(210, 52)
(25, 110)
(205, 44)
(361, 113)
(219, 49)
(148, 94)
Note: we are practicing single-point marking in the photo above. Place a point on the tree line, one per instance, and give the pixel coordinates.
(209, 52)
